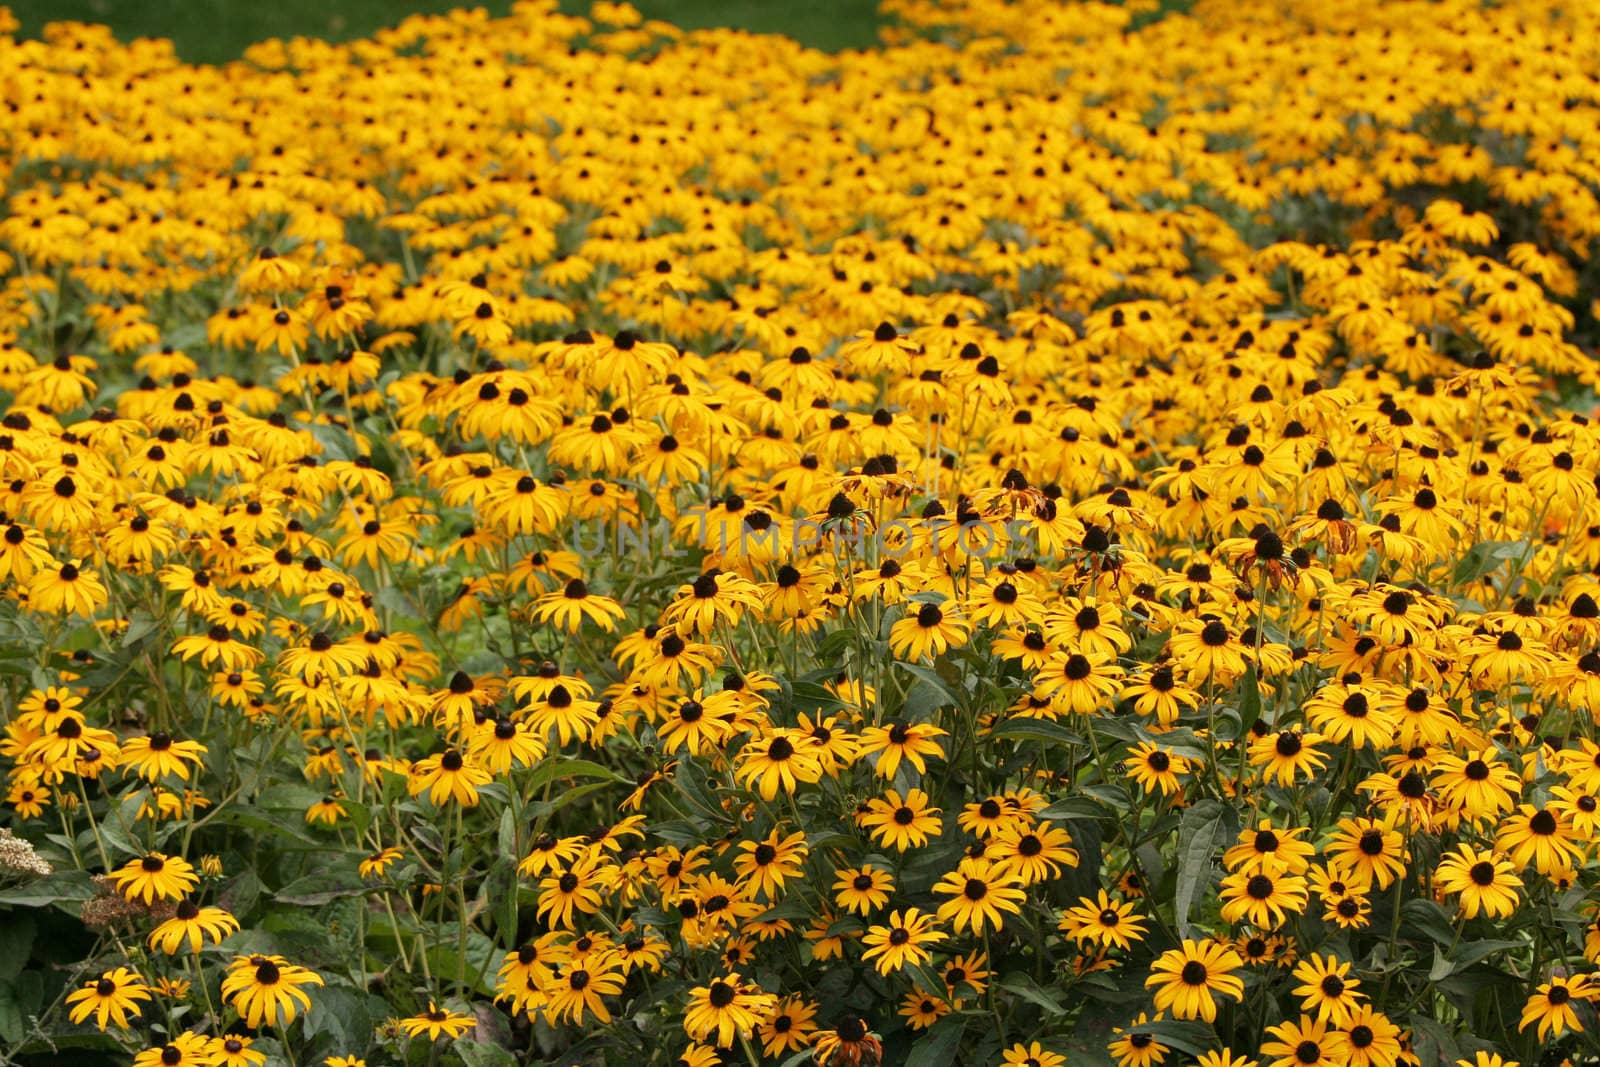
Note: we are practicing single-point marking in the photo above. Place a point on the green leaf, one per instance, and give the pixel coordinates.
(447, 961)
(811, 697)
(503, 893)
(1026, 988)
(13, 1024)
(937, 1048)
(320, 888)
(16, 943)
(477, 1054)
(1079, 807)
(1249, 701)
(1464, 956)
(923, 702)
(253, 819)
(1483, 558)
(557, 768)
(60, 887)
(56, 1043)
(334, 441)
(1429, 919)
(540, 809)
(1030, 728)
(340, 1012)
(931, 678)
(506, 836)
(141, 624)
(1191, 1037)
(1434, 1042)
(690, 781)
(1203, 830)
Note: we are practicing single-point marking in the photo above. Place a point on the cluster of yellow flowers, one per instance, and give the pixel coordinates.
(680, 548)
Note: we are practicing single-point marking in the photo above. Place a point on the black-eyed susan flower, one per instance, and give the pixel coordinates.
(851, 1043)
(900, 822)
(569, 606)
(159, 755)
(193, 925)
(155, 876)
(447, 777)
(1034, 853)
(764, 865)
(727, 1008)
(1187, 980)
(930, 630)
(267, 989)
(863, 889)
(1367, 853)
(980, 892)
(780, 762)
(1550, 1009)
(436, 1022)
(789, 1026)
(235, 1050)
(1307, 1042)
(898, 740)
(1134, 1046)
(1103, 920)
(903, 940)
(1483, 881)
(111, 999)
(186, 1049)
(921, 1010)
(577, 990)
(1327, 989)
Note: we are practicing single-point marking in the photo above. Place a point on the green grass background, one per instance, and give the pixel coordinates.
(214, 31)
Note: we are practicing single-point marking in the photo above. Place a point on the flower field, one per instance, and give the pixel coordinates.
(1069, 537)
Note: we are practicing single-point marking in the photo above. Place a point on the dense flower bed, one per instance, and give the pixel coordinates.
(1069, 538)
